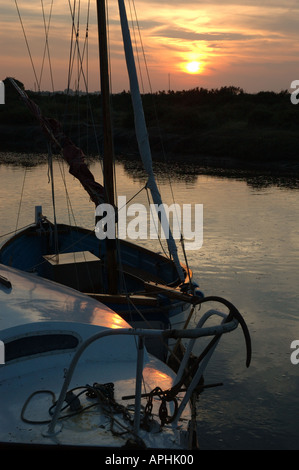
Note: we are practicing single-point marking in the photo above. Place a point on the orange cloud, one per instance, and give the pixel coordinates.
(237, 44)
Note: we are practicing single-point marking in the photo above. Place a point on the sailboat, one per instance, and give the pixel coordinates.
(139, 284)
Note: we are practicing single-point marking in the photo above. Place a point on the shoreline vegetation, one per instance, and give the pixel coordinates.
(224, 129)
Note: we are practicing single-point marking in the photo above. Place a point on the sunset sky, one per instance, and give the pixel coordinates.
(187, 43)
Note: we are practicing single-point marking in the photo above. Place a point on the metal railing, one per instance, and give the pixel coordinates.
(192, 334)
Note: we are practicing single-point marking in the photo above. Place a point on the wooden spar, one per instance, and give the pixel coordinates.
(154, 288)
(108, 158)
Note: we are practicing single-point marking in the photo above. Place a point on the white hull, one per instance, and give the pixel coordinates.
(39, 347)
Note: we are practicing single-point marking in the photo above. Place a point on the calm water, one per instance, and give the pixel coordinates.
(250, 256)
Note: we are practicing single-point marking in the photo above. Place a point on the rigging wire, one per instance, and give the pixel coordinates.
(157, 230)
(71, 49)
(50, 163)
(27, 43)
(14, 231)
(110, 86)
(46, 48)
(21, 199)
(75, 51)
(38, 81)
(136, 47)
(141, 44)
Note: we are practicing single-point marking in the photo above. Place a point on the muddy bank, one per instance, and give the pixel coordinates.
(236, 151)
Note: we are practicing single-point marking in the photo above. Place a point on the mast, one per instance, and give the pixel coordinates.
(108, 158)
(141, 131)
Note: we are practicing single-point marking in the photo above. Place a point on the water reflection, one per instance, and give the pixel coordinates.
(189, 173)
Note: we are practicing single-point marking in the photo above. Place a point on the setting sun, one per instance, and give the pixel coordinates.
(193, 67)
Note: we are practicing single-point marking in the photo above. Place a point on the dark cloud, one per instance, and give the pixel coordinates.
(208, 36)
